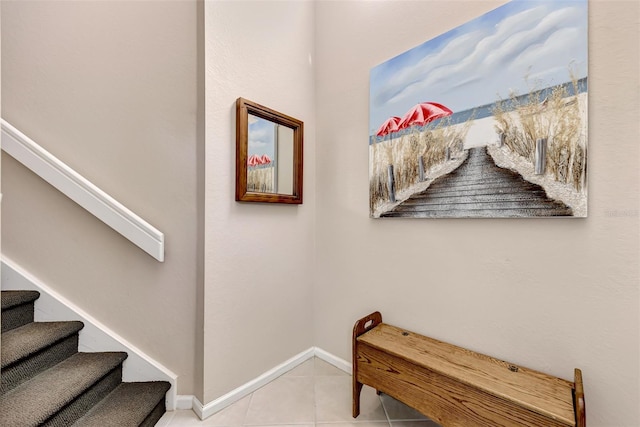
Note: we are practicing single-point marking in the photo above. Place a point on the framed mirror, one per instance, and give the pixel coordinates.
(268, 155)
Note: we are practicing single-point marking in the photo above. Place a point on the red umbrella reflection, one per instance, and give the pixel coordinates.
(253, 160)
(424, 113)
(265, 160)
(256, 160)
(389, 126)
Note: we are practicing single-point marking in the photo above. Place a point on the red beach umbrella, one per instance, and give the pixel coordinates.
(424, 113)
(265, 160)
(253, 160)
(389, 126)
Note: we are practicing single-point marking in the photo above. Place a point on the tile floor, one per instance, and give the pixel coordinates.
(312, 394)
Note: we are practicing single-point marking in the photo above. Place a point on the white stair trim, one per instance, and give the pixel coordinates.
(80, 190)
(95, 336)
(205, 411)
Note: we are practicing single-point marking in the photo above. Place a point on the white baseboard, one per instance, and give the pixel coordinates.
(205, 411)
(336, 361)
(95, 336)
(186, 401)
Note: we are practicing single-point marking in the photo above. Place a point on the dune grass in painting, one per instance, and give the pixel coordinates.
(404, 152)
(557, 114)
(260, 179)
(559, 118)
(521, 156)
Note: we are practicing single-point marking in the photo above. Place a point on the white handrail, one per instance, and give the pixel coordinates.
(80, 190)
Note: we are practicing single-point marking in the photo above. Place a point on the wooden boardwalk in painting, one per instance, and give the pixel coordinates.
(479, 188)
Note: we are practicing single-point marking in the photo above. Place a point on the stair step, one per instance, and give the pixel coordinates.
(35, 347)
(17, 308)
(10, 299)
(29, 339)
(129, 405)
(62, 394)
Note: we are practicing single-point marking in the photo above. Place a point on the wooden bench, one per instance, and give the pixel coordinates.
(457, 387)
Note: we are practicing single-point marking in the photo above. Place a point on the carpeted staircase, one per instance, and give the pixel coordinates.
(45, 381)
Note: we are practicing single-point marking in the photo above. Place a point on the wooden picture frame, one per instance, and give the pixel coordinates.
(269, 161)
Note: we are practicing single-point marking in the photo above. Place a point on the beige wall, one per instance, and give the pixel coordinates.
(111, 89)
(477, 283)
(258, 258)
(0, 116)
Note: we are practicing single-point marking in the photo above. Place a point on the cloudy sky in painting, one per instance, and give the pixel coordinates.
(261, 137)
(488, 57)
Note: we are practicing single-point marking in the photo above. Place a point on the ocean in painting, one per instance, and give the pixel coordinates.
(486, 110)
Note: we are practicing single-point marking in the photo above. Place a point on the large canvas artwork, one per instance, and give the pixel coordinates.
(486, 120)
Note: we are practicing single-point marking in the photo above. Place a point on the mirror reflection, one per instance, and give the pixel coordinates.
(269, 157)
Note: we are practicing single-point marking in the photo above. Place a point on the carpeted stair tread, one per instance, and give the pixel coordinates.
(35, 401)
(10, 299)
(31, 338)
(17, 308)
(128, 405)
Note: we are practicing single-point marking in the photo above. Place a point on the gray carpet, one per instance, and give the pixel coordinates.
(15, 298)
(40, 398)
(21, 342)
(127, 406)
(17, 308)
(46, 382)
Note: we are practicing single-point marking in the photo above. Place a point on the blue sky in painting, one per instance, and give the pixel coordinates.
(522, 45)
(261, 137)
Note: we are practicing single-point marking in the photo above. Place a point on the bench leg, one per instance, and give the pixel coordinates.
(363, 325)
(357, 388)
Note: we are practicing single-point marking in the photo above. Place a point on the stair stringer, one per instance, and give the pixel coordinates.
(95, 336)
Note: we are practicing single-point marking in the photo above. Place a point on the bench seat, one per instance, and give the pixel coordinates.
(458, 387)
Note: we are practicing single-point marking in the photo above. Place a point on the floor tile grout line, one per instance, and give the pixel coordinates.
(315, 375)
(315, 403)
(384, 408)
(295, 423)
(382, 422)
(246, 412)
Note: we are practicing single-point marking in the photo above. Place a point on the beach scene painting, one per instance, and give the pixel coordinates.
(488, 120)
